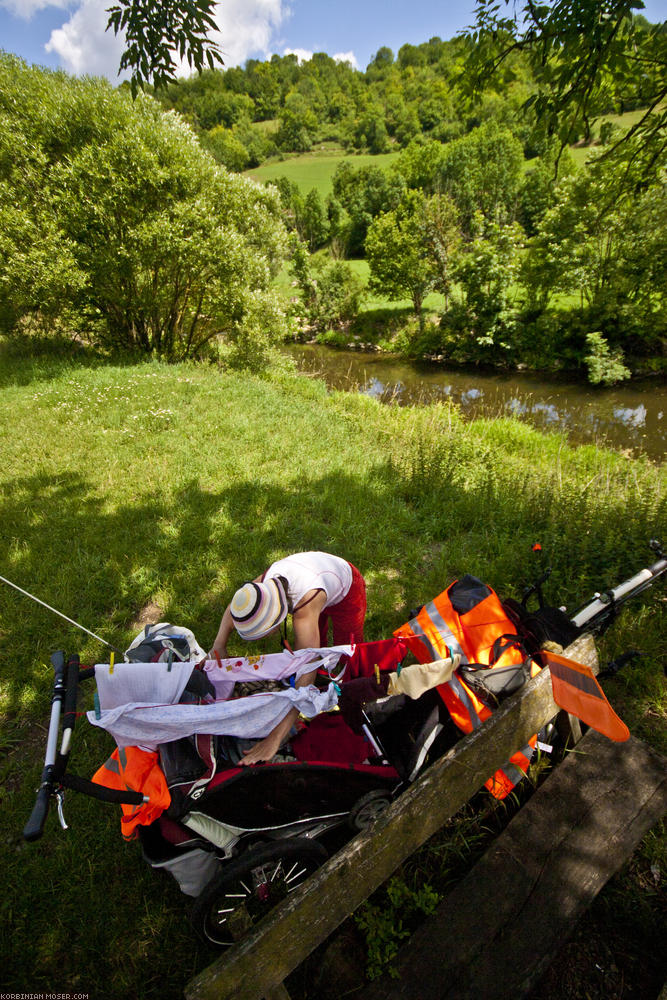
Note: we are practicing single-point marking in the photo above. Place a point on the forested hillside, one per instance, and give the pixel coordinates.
(537, 262)
(459, 221)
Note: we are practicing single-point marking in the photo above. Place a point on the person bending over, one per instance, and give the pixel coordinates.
(317, 589)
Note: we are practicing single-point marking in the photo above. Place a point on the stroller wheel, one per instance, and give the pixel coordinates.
(367, 809)
(251, 885)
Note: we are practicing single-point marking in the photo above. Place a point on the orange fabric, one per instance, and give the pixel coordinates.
(575, 688)
(135, 770)
(438, 629)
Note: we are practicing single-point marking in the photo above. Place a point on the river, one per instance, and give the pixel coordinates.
(632, 418)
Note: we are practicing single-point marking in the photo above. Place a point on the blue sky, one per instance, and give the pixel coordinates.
(71, 33)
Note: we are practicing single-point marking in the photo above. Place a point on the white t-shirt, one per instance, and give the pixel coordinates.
(306, 571)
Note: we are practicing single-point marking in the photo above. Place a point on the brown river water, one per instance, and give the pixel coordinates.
(631, 418)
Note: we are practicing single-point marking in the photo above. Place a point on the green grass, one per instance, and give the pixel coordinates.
(129, 486)
(433, 303)
(316, 169)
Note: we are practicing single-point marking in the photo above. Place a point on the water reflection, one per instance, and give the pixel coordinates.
(625, 417)
(632, 416)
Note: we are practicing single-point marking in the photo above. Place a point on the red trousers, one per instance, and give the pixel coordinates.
(347, 617)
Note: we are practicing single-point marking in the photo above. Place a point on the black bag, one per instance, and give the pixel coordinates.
(544, 625)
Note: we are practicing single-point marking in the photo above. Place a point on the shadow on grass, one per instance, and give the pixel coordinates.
(123, 925)
(24, 359)
(190, 549)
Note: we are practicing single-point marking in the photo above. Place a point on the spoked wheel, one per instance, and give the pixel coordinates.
(248, 887)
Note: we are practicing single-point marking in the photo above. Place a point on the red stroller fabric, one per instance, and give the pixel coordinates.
(386, 654)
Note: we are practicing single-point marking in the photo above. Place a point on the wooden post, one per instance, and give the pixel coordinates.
(290, 932)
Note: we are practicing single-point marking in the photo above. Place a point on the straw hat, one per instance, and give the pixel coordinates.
(257, 608)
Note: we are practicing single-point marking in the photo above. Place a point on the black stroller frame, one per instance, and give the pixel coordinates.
(239, 839)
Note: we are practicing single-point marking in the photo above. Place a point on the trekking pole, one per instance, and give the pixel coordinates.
(70, 620)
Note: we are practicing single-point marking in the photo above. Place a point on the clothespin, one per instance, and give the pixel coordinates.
(170, 660)
(96, 702)
(377, 674)
(111, 661)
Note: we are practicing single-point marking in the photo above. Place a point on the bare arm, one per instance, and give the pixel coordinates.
(267, 748)
(225, 630)
(306, 620)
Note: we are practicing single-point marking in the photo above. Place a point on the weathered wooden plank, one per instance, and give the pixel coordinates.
(501, 927)
(295, 928)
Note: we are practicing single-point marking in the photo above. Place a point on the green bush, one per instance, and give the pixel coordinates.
(114, 219)
(331, 293)
(604, 365)
(388, 924)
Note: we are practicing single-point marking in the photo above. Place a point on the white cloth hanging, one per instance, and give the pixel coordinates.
(139, 701)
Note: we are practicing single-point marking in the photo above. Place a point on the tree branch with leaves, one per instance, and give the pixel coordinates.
(155, 33)
(585, 56)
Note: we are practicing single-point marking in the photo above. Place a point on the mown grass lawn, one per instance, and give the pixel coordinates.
(315, 170)
(128, 489)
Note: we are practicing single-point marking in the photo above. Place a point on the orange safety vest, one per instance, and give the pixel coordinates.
(474, 629)
(135, 770)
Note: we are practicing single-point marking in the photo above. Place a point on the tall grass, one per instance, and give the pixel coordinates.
(141, 486)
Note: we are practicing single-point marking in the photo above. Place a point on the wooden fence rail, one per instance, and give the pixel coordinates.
(254, 967)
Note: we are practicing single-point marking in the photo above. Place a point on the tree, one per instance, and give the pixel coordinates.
(331, 293)
(582, 54)
(420, 162)
(155, 33)
(298, 124)
(364, 193)
(614, 259)
(155, 248)
(226, 148)
(536, 195)
(397, 253)
(485, 270)
(443, 237)
(314, 225)
(482, 171)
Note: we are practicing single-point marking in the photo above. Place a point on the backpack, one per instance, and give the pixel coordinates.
(155, 644)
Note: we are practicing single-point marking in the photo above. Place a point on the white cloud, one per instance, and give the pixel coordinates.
(348, 57)
(84, 45)
(246, 28)
(26, 8)
(303, 55)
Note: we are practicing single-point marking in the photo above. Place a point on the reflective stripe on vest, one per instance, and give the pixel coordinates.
(438, 626)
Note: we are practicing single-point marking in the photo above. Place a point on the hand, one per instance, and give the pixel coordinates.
(265, 749)
(222, 653)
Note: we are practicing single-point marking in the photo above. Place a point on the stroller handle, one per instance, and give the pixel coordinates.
(54, 779)
(598, 613)
(35, 825)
